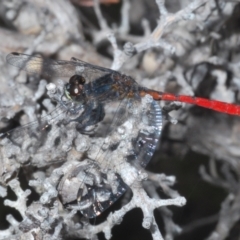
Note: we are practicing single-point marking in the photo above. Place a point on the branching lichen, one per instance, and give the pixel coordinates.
(190, 48)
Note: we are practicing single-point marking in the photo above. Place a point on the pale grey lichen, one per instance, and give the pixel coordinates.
(204, 52)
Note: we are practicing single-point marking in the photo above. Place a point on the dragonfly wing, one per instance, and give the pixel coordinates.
(101, 185)
(135, 126)
(40, 142)
(56, 68)
(146, 118)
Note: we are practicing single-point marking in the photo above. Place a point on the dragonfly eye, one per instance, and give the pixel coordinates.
(77, 79)
(75, 85)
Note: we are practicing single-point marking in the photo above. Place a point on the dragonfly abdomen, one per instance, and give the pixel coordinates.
(202, 102)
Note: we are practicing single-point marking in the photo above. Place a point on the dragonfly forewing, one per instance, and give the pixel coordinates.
(56, 68)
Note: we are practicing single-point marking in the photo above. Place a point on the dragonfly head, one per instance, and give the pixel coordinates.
(74, 87)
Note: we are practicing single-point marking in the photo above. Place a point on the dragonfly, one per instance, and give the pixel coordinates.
(89, 92)
(111, 85)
